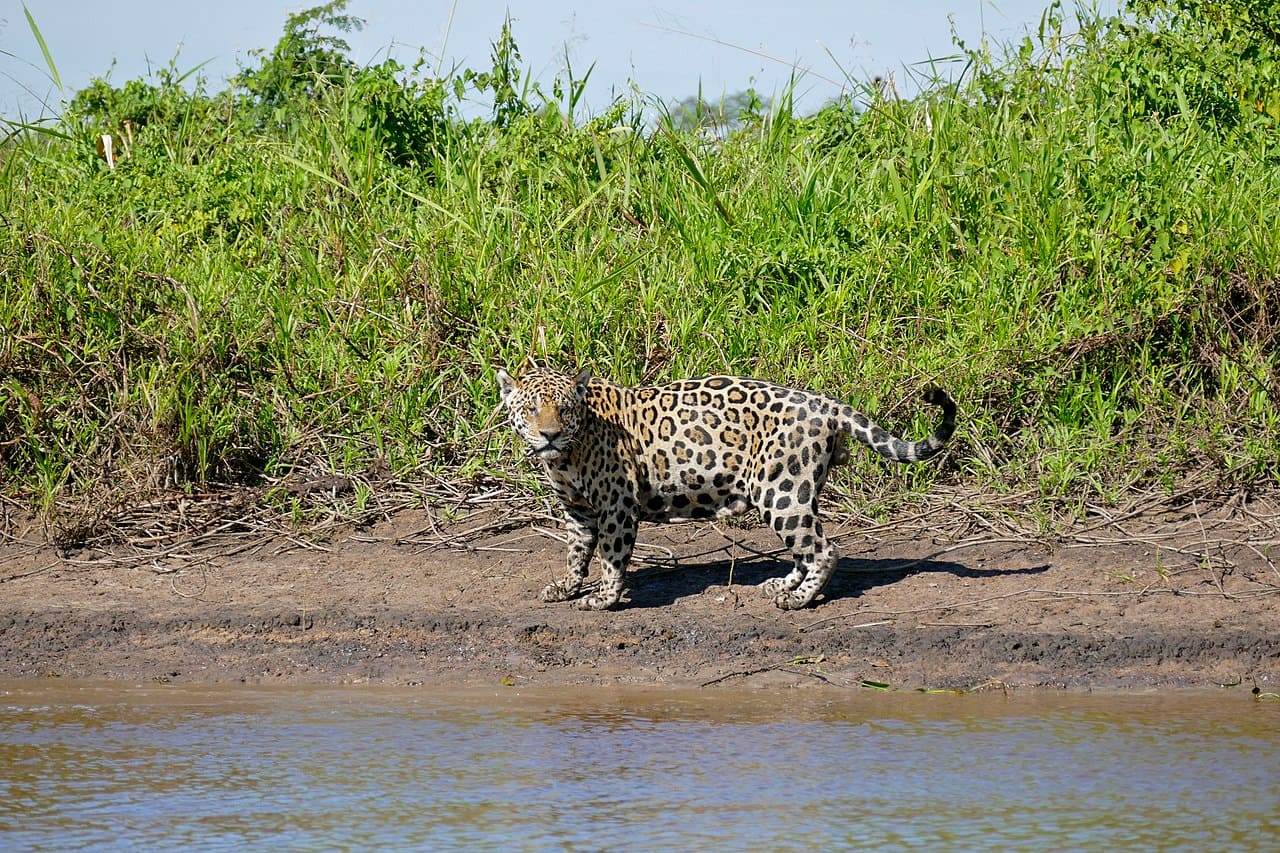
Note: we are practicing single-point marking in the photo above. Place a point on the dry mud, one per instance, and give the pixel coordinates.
(905, 610)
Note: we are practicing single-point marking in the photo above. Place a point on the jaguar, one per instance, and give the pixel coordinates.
(703, 448)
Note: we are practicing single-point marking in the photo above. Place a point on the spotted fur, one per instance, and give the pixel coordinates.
(702, 448)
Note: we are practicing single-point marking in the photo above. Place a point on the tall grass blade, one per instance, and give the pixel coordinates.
(44, 48)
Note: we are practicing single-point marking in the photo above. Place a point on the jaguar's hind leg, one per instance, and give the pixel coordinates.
(776, 586)
(815, 561)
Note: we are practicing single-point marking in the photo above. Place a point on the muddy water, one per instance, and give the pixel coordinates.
(163, 767)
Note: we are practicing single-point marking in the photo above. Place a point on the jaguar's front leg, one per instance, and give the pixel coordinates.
(582, 532)
(617, 539)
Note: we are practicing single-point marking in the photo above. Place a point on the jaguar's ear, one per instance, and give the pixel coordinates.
(506, 385)
(580, 384)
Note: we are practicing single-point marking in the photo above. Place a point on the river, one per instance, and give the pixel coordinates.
(112, 766)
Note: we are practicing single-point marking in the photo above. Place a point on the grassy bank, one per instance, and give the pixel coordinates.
(302, 284)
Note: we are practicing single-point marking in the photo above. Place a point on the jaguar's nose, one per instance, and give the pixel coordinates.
(549, 436)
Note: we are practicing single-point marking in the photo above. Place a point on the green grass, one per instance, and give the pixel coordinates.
(323, 277)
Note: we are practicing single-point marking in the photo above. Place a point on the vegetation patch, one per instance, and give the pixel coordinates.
(288, 297)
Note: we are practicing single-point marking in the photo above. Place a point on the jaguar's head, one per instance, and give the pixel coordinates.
(546, 408)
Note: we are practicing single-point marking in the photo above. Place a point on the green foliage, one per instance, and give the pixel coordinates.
(503, 81)
(304, 62)
(1222, 57)
(317, 270)
(136, 102)
(404, 118)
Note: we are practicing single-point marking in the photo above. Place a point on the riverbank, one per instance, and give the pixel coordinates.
(1187, 600)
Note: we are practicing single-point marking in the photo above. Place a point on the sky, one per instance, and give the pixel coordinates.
(668, 49)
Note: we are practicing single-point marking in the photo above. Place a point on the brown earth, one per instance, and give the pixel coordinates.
(1186, 600)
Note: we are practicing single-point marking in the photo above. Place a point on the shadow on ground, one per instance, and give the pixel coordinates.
(662, 584)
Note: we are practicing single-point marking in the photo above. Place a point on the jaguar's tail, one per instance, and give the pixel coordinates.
(891, 447)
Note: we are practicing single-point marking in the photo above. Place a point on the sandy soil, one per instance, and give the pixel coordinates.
(396, 604)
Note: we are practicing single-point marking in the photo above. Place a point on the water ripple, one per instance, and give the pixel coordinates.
(106, 767)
